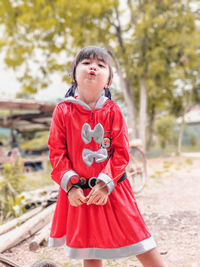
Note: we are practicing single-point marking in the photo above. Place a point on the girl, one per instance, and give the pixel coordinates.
(96, 215)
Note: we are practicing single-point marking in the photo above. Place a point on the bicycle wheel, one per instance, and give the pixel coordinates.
(137, 169)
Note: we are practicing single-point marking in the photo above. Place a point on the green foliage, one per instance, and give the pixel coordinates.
(49, 33)
(153, 40)
(165, 129)
(46, 34)
(11, 185)
(37, 141)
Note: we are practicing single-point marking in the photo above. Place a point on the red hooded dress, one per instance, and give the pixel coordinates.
(94, 143)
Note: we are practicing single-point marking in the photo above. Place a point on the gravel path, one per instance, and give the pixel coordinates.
(170, 206)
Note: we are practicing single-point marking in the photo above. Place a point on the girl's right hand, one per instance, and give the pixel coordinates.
(76, 197)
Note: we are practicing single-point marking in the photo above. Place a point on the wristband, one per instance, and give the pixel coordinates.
(73, 186)
(76, 182)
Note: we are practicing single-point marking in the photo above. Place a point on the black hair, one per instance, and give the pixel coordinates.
(85, 53)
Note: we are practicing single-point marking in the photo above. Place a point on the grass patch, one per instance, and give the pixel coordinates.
(189, 161)
(69, 264)
(167, 164)
(39, 179)
(159, 173)
(111, 263)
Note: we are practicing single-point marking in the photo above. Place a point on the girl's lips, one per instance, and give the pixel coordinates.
(92, 72)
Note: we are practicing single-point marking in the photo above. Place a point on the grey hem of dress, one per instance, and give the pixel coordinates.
(99, 253)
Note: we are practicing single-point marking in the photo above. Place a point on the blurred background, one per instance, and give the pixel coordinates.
(155, 47)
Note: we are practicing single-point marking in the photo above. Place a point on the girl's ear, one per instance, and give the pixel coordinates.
(109, 83)
(74, 83)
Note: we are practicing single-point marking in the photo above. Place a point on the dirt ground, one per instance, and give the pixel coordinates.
(170, 206)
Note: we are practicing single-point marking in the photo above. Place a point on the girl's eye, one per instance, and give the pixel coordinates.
(86, 62)
(101, 66)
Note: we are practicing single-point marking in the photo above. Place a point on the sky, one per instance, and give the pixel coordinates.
(9, 85)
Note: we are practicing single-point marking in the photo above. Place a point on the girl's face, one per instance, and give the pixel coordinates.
(92, 75)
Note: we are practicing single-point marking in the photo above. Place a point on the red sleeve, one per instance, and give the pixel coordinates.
(117, 163)
(60, 162)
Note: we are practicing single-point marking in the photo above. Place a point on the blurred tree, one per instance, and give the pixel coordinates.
(162, 36)
(38, 141)
(147, 39)
(165, 129)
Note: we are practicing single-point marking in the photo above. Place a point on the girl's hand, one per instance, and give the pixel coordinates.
(98, 195)
(76, 197)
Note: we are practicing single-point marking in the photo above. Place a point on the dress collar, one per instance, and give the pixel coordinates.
(100, 103)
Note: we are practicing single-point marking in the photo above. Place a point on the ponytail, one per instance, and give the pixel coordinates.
(71, 91)
(107, 92)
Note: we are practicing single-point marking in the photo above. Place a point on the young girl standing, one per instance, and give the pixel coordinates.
(96, 214)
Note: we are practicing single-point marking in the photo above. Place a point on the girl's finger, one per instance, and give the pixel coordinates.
(96, 201)
(91, 193)
(82, 198)
(92, 199)
(76, 201)
(99, 201)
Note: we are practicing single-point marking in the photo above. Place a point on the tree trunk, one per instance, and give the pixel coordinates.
(188, 101)
(12, 224)
(129, 99)
(128, 96)
(143, 112)
(27, 229)
(43, 235)
(151, 125)
(8, 261)
(180, 135)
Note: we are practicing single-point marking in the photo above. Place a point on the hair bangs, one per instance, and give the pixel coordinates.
(92, 52)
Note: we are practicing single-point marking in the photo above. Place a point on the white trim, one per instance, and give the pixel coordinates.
(78, 101)
(56, 242)
(100, 253)
(99, 104)
(107, 180)
(66, 177)
(97, 253)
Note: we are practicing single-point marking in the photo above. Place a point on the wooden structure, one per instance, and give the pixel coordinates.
(29, 115)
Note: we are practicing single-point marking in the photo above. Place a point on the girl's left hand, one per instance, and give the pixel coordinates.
(98, 195)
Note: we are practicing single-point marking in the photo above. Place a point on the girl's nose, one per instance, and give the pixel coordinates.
(93, 67)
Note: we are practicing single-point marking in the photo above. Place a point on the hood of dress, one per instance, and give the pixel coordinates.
(100, 103)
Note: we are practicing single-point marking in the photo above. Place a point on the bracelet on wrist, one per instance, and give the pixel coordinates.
(76, 182)
(73, 186)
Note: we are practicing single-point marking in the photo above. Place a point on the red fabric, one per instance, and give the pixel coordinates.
(74, 180)
(119, 222)
(66, 145)
(116, 224)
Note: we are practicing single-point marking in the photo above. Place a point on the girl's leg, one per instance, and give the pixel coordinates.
(92, 263)
(151, 258)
